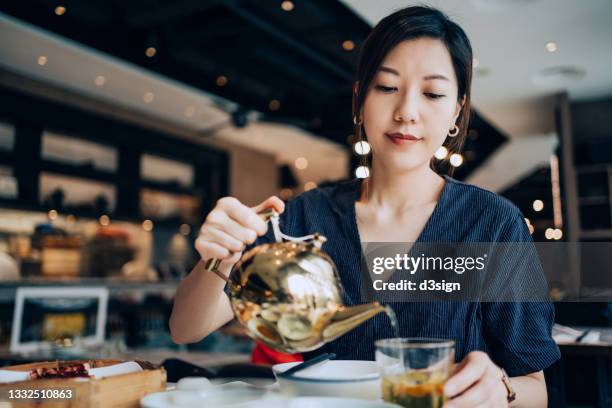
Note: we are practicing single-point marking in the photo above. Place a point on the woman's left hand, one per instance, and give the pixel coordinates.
(476, 384)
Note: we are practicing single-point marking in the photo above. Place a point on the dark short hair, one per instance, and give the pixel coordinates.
(407, 24)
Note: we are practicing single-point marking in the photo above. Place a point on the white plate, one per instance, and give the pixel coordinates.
(334, 378)
(324, 402)
(333, 371)
(168, 400)
(203, 398)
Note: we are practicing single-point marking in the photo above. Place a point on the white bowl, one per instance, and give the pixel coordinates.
(332, 378)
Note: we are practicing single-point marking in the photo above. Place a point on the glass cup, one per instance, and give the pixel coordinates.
(413, 371)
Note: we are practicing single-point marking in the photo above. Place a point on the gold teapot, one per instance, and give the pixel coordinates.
(288, 294)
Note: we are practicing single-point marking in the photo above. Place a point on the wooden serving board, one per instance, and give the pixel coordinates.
(121, 391)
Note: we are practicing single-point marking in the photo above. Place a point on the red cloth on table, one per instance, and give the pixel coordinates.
(263, 354)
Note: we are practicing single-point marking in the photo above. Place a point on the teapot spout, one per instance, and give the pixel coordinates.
(347, 318)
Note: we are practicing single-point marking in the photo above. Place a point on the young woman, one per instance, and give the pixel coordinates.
(412, 95)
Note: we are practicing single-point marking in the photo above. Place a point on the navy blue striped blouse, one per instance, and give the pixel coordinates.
(517, 336)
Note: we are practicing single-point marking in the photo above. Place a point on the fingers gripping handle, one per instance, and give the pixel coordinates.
(212, 265)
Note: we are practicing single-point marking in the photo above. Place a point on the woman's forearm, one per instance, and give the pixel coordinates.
(530, 391)
(200, 305)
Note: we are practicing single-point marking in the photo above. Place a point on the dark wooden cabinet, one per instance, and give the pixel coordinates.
(34, 118)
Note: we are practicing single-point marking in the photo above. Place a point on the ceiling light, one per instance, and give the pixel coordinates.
(147, 225)
(60, 10)
(549, 233)
(189, 111)
(362, 172)
(42, 60)
(150, 52)
(287, 5)
(301, 163)
(286, 194)
(441, 153)
(100, 80)
(557, 234)
(348, 45)
(148, 97)
(456, 160)
(362, 147)
(52, 215)
(104, 220)
(551, 46)
(185, 229)
(538, 205)
(222, 80)
(274, 105)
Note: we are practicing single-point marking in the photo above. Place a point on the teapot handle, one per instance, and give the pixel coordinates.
(212, 265)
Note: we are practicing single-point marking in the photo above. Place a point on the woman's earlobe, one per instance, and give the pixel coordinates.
(459, 109)
(457, 115)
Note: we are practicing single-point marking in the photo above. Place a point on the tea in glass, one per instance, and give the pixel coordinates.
(414, 370)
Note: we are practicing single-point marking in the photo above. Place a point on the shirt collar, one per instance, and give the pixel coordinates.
(342, 196)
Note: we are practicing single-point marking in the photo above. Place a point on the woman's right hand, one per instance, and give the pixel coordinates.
(230, 226)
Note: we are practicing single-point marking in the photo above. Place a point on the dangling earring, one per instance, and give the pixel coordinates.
(454, 132)
(360, 137)
(359, 133)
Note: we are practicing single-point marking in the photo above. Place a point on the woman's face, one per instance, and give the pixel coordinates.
(411, 104)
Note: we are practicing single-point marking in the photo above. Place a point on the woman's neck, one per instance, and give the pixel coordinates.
(397, 192)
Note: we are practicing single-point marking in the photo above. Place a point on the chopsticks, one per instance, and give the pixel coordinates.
(582, 336)
(313, 361)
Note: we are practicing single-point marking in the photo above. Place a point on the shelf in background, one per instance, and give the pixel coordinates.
(596, 234)
(85, 172)
(172, 188)
(594, 200)
(116, 287)
(153, 355)
(6, 158)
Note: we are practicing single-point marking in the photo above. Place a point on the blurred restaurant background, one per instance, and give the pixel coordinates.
(122, 123)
